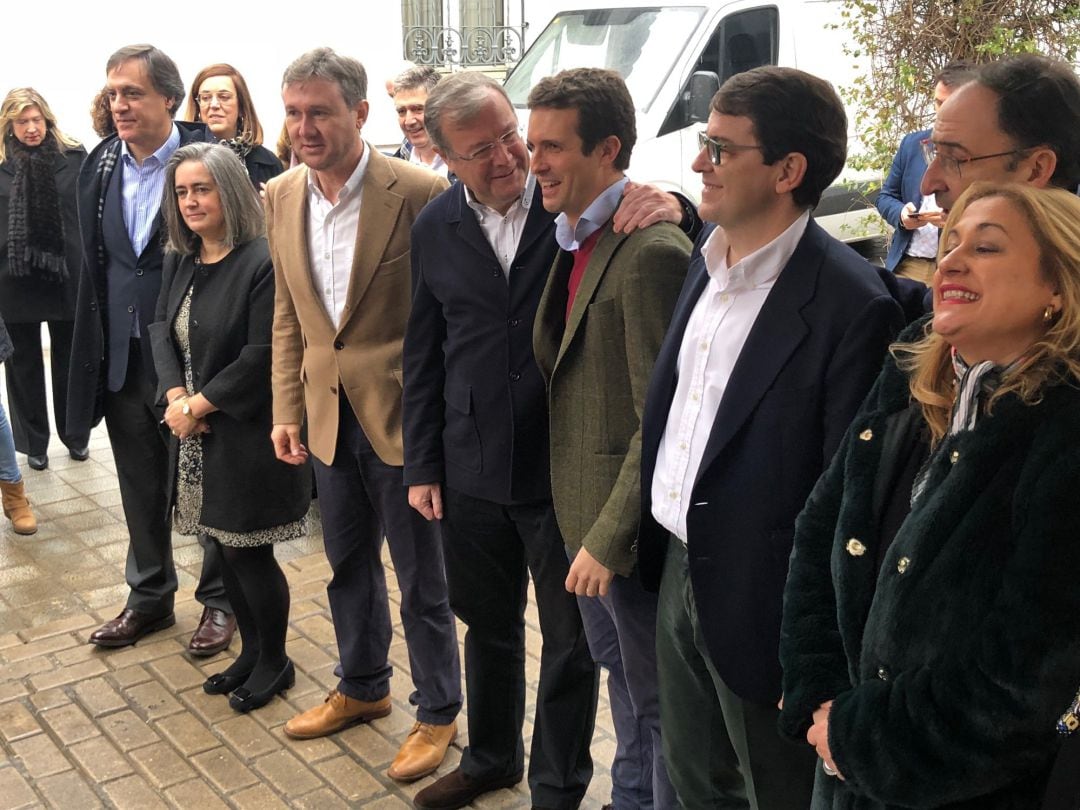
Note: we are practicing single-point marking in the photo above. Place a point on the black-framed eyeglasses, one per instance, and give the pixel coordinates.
(487, 151)
(718, 149)
(954, 165)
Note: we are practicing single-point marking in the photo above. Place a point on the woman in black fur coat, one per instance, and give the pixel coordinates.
(931, 632)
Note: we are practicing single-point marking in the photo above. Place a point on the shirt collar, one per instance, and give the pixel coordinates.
(352, 185)
(523, 204)
(592, 218)
(160, 155)
(760, 267)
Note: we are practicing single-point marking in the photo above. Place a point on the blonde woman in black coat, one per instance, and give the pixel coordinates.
(931, 630)
(40, 255)
(211, 342)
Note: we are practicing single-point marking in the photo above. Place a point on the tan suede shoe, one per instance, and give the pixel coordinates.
(423, 751)
(336, 712)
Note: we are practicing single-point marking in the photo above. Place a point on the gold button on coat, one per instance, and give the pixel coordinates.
(954, 456)
(855, 548)
(866, 435)
(902, 564)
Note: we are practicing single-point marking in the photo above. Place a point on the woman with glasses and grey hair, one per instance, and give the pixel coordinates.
(211, 342)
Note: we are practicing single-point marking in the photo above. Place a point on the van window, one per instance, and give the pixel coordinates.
(743, 40)
(636, 42)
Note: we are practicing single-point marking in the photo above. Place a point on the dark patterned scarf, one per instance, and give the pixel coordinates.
(35, 225)
(103, 176)
(238, 145)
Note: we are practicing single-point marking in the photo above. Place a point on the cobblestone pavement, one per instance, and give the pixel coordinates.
(82, 727)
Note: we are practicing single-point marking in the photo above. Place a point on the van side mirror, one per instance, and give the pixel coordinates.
(700, 91)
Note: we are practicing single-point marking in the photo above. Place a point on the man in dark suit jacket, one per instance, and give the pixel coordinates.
(112, 368)
(913, 248)
(476, 449)
(777, 335)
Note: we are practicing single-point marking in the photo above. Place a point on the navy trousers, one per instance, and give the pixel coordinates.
(362, 500)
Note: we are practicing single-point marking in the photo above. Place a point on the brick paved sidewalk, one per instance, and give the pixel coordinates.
(82, 727)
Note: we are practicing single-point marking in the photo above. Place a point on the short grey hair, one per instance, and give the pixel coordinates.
(458, 98)
(240, 204)
(325, 63)
(160, 69)
(424, 76)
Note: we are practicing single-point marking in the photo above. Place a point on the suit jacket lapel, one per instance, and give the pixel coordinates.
(294, 246)
(378, 215)
(536, 222)
(598, 264)
(468, 228)
(775, 335)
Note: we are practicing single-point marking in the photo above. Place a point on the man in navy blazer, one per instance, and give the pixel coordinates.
(913, 248)
(777, 336)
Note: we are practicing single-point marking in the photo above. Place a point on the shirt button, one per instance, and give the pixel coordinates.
(725, 298)
(326, 255)
(673, 495)
(694, 397)
(704, 347)
(902, 564)
(855, 548)
(682, 445)
(866, 435)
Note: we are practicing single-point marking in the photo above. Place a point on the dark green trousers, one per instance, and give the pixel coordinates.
(721, 751)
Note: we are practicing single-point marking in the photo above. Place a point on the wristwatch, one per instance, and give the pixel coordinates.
(185, 409)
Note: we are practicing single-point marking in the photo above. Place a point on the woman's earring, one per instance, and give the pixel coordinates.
(1048, 314)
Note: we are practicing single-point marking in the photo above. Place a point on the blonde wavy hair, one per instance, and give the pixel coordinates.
(1053, 215)
(15, 103)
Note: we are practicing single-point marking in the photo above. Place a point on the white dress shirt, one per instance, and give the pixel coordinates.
(714, 338)
(332, 231)
(438, 165)
(503, 231)
(924, 239)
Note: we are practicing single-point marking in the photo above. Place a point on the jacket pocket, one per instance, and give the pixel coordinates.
(461, 436)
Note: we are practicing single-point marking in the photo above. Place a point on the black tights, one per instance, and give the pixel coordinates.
(259, 596)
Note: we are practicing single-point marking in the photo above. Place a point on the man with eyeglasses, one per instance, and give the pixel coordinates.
(915, 219)
(1017, 121)
(778, 334)
(476, 448)
(339, 238)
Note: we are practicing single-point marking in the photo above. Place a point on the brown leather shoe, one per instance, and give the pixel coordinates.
(458, 789)
(214, 633)
(129, 627)
(422, 752)
(338, 711)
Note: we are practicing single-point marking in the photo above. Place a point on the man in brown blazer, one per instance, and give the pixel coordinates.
(339, 238)
(599, 326)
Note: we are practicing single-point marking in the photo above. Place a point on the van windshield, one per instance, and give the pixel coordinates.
(642, 44)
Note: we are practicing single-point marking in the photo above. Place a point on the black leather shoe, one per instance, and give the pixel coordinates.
(38, 462)
(214, 633)
(458, 789)
(79, 453)
(244, 700)
(222, 684)
(129, 627)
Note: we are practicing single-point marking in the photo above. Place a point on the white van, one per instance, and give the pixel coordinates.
(675, 57)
